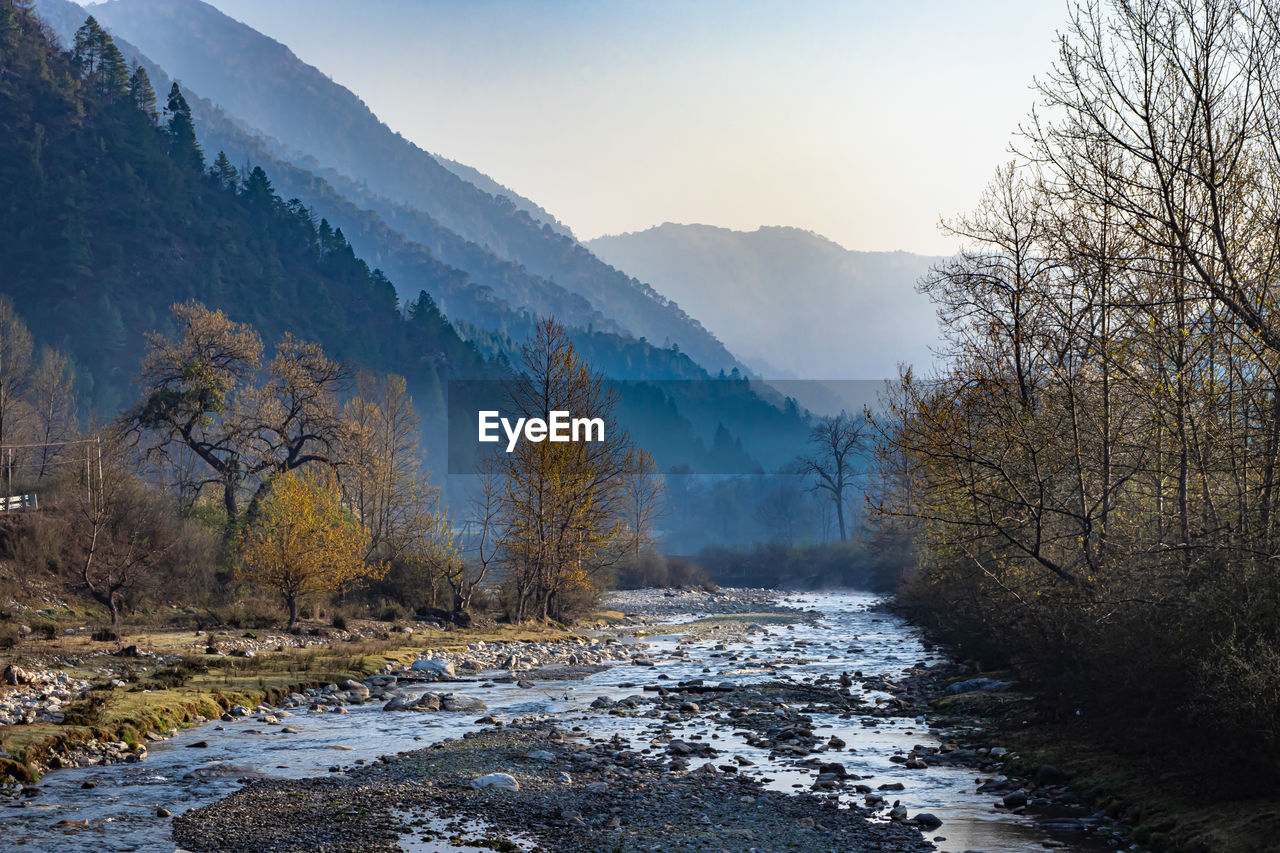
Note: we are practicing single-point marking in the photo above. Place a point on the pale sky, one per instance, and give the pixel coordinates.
(863, 121)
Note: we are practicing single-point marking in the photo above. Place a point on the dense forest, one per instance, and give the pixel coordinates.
(1091, 484)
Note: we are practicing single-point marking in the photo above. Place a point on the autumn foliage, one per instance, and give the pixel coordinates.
(304, 541)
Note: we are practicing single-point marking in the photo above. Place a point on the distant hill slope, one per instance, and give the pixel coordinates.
(789, 299)
(489, 185)
(308, 119)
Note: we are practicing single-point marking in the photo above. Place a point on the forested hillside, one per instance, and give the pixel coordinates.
(307, 119)
(159, 220)
(112, 217)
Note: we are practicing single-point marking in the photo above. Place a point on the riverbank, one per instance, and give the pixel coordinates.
(78, 703)
(1171, 808)
(1075, 773)
(813, 707)
(68, 699)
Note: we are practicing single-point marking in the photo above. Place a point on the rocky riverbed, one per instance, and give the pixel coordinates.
(534, 782)
(742, 724)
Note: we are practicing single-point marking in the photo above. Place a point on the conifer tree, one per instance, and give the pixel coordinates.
(184, 148)
(87, 51)
(115, 72)
(258, 191)
(99, 61)
(143, 96)
(224, 174)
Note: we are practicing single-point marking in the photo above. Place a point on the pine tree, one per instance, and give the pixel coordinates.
(99, 61)
(144, 97)
(87, 51)
(184, 148)
(224, 174)
(115, 72)
(325, 235)
(258, 191)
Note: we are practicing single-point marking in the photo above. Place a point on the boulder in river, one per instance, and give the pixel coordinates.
(461, 702)
(425, 702)
(434, 666)
(501, 781)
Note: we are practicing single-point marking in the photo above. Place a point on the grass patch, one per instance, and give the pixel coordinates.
(204, 686)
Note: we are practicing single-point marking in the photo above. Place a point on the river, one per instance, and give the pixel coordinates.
(119, 813)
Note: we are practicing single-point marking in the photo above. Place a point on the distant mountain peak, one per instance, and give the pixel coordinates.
(789, 297)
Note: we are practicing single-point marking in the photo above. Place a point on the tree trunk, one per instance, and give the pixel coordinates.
(229, 500)
(292, 601)
(113, 602)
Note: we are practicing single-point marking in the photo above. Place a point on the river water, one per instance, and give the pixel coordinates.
(120, 813)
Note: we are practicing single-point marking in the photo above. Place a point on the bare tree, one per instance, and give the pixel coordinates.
(644, 504)
(52, 397)
(123, 535)
(838, 441)
(206, 394)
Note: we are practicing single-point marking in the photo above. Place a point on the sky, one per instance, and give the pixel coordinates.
(866, 122)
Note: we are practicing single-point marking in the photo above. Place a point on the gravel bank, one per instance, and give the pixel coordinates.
(650, 604)
(573, 796)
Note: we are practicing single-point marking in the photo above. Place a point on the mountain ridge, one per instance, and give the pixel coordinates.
(789, 297)
(306, 118)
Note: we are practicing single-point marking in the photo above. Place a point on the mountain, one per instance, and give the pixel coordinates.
(792, 303)
(113, 214)
(109, 231)
(306, 119)
(110, 219)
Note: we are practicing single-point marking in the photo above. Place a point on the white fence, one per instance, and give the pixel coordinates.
(18, 502)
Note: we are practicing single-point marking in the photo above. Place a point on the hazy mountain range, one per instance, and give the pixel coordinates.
(302, 117)
(791, 303)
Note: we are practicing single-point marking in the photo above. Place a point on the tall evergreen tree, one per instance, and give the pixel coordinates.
(224, 174)
(184, 148)
(100, 63)
(258, 191)
(140, 91)
(115, 85)
(86, 54)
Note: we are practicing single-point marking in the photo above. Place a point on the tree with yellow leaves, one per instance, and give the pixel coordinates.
(304, 541)
(562, 503)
